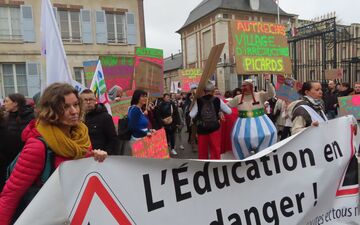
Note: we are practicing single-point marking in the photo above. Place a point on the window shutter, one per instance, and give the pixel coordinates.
(27, 23)
(85, 16)
(131, 29)
(101, 30)
(33, 77)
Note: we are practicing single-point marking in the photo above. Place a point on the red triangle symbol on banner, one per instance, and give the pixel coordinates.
(95, 186)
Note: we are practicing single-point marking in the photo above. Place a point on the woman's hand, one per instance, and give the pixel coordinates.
(99, 155)
(315, 123)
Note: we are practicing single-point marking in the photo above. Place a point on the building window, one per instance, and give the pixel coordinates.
(116, 28)
(79, 75)
(207, 44)
(70, 25)
(10, 28)
(343, 51)
(14, 78)
(191, 49)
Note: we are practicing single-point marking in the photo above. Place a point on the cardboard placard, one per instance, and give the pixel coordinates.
(334, 74)
(210, 67)
(149, 71)
(154, 146)
(260, 48)
(350, 105)
(190, 77)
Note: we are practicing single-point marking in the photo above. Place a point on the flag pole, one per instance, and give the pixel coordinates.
(278, 11)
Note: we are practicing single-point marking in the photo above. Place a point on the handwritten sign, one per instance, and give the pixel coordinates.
(118, 70)
(154, 146)
(350, 105)
(149, 71)
(334, 74)
(149, 52)
(260, 48)
(287, 89)
(189, 77)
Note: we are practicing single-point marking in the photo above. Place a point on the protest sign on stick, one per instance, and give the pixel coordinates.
(210, 67)
(334, 74)
(149, 71)
(260, 48)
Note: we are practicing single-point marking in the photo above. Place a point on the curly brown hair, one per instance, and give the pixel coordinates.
(52, 102)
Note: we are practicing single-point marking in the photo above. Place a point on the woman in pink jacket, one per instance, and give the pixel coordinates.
(58, 125)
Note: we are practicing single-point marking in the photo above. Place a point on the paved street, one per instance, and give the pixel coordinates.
(187, 153)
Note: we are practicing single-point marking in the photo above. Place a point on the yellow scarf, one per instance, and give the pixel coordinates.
(73, 144)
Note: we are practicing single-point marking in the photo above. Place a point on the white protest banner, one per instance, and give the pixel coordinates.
(57, 67)
(308, 179)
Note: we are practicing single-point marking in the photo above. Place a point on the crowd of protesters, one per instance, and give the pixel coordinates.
(68, 125)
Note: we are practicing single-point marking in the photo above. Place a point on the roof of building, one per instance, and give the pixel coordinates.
(173, 62)
(208, 6)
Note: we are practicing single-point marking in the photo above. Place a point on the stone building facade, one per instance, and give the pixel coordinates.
(88, 29)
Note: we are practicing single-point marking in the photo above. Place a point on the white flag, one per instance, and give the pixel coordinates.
(98, 86)
(57, 68)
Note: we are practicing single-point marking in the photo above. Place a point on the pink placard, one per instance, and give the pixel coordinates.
(154, 146)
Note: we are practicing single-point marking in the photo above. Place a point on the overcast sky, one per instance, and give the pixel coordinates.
(164, 17)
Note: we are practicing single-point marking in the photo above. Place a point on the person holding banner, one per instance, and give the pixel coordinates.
(310, 110)
(57, 135)
(253, 130)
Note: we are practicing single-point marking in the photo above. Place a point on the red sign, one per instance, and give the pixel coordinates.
(95, 186)
(154, 146)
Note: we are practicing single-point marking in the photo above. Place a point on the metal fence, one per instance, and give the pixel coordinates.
(325, 45)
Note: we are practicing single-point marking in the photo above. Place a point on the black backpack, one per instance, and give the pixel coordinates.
(207, 117)
(124, 132)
